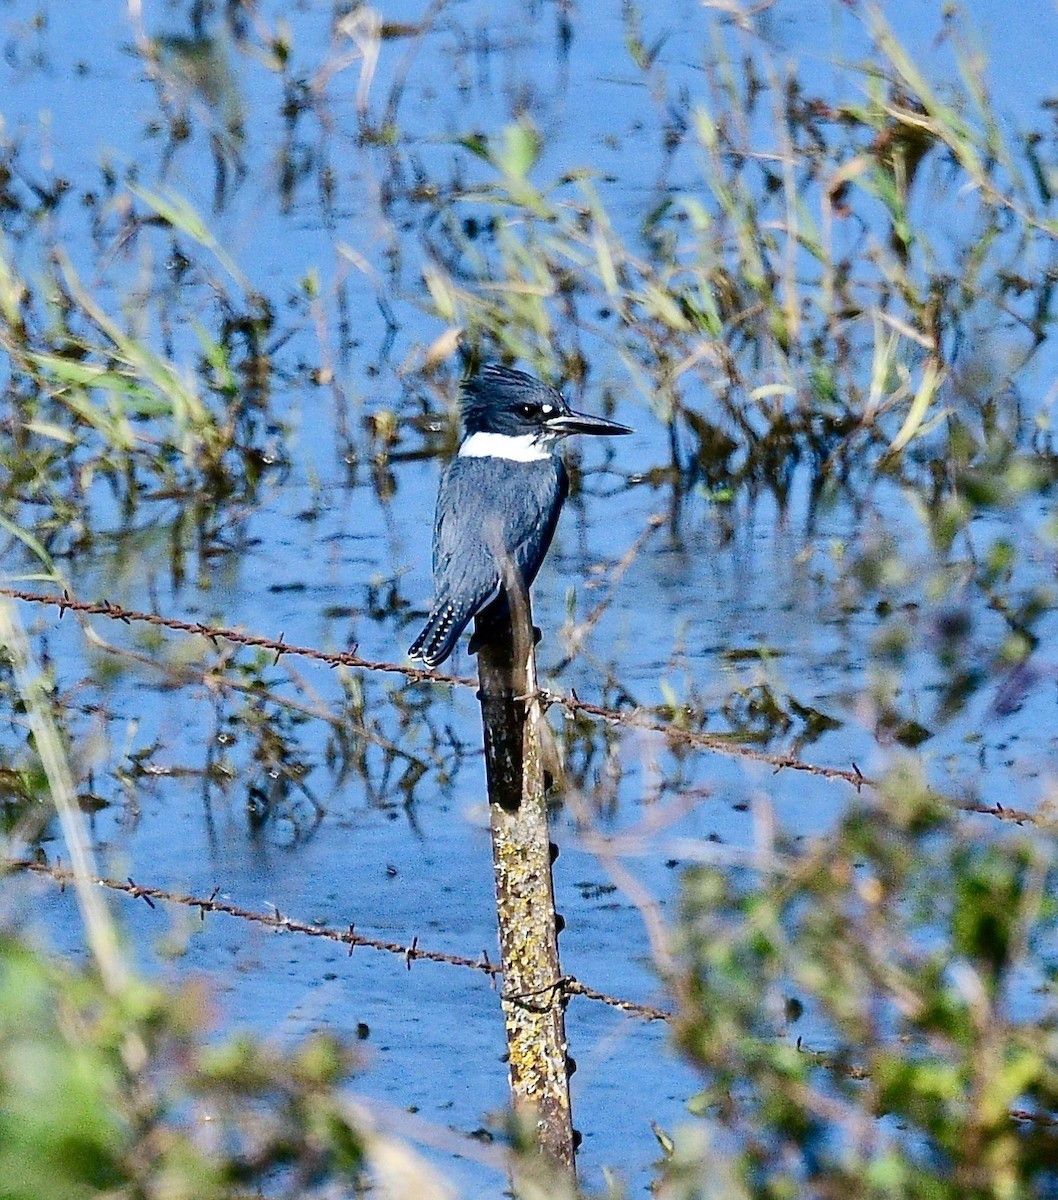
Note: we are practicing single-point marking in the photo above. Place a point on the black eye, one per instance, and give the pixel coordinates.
(529, 410)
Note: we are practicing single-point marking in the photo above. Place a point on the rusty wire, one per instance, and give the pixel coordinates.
(569, 984)
(213, 903)
(571, 704)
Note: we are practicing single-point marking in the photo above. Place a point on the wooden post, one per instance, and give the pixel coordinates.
(533, 998)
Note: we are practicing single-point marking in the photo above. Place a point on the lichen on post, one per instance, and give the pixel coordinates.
(533, 997)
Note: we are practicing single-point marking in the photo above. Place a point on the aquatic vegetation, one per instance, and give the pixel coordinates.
(796, 651)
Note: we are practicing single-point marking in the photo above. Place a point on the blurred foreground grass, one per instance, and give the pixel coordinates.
(105, 1094)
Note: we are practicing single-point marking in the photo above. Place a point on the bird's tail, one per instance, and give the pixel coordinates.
(438, 639)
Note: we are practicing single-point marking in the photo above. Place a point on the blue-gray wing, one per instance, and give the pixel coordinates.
(483, 512)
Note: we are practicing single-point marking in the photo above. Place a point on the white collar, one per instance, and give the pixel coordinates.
(517, 447)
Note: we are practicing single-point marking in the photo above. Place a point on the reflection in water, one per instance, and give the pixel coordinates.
(237, 293)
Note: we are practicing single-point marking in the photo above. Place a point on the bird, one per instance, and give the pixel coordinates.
(499, 499)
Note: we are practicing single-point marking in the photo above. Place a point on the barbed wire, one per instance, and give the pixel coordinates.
(571, 703)
(276, 920)
(214, 903)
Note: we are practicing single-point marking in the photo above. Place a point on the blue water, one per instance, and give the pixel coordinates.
(739, 576)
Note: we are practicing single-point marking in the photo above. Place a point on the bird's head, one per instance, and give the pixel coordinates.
(499, 400)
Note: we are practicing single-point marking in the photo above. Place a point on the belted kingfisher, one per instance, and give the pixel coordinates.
(499, 498)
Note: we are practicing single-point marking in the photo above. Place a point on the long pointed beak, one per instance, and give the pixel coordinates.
(575, 422)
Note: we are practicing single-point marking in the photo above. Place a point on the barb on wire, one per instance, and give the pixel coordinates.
(706, 741)
(239, 637)
(570, 985)
(274, 920)
(572, 704)
(348, 936)
(629, 718)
